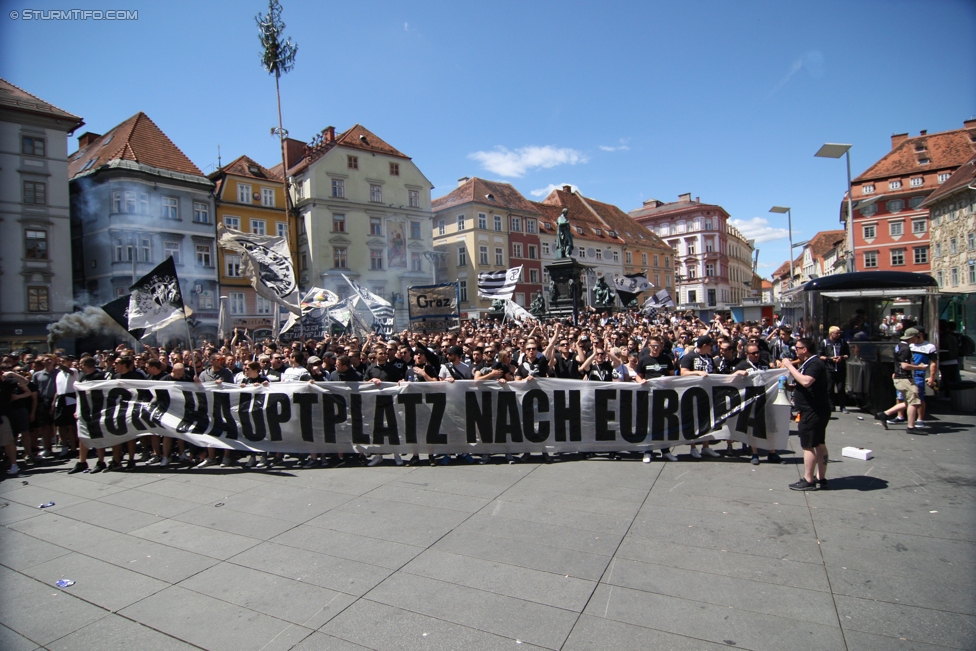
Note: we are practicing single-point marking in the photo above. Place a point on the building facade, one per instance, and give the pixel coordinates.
(364, 211)
(701, 240)
(891, 226)
(247, 198)
(35, 261)
(485, 226)
(136, 200)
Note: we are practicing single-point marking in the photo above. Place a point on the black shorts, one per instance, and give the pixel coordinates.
(43, 415)
(64, 414)
(812, 429)
(19, 421)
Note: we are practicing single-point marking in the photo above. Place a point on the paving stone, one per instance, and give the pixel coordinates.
(858, 641)
(152, 559)
(598, 634)
(421, 532)
(13, 641)
(12, 512)
(114, 633)
(288, 507)
(405, 493)
(593, 542)
(67, 532)
(97, 582)
(42, 613)
(191, 617)
(33, 495)
(558, 516)
(322, 642)
(916, 624)
(196, 539)
(158, 505)
(19, 551)
(374, 551)
(108, 516)
(229, 521)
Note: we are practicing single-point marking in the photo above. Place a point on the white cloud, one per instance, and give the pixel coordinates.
(506, 162)
(768, 265)
(758, 229)
(621, 147)
(813, 61)
(544, 192)
(406, 27)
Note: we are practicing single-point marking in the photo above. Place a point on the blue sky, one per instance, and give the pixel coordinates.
(627, 101)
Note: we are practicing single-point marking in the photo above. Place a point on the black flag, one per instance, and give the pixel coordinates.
(119, 311)
(156, 300)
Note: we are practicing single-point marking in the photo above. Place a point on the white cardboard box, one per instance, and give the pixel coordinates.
(857, 453)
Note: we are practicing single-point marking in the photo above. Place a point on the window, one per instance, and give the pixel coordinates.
(32, 146)
(657, 280)
(339, 188)
(534, 276)
(123, 250)
(516, 224)
(896, 205)
(268, 197)
(599, 254)
(919, 226)
(482, 221)
(352, 162)
(303, 261)
(145, 250)
(921, 255)
(440, 227)
(667, 280)
(483, 255)
(915, 202)
(657, 260)
(375, 259)
(259, 227)
(896, 228)
(940, 277)
(37, 299)
(867, 189)
(375, 194)
(545, 248)
(708, 224)
(644, 259)
(533, 252)
(35, 244)
(870, 231)
(243, 193)
(338, 223)
(710, 269)
(460, 222)
(233, 223)
(971, 241)
(943, 177)
(35, 192)
(498, 223)
(628, 257)
(204, 258)
(917, 182)
(667, 261)
(170, 207)
(463, 291)
(693, 271)
(415, 233)
(462, 259)
(232, 265)
(954, 275)
(499, 256)
(394, 169)
(416, 261)
(414, 198)
(709, 247)
(236, 303)
(972, 274)
(897, 257)
(174, 250)
(894, 185)
(692, 295)
(616, 256)
(938, 249)
(262, 305)
(530, 226)
(375, 225)
(340, 259)
(691, 248)
(281, 229)
(868, 211)
(953, 246)
(516, 249)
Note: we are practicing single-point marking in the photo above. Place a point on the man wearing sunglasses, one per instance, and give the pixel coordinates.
(752, 363)
(653, 364)
(811, 399)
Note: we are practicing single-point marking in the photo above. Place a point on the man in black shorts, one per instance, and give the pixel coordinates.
(811, 400)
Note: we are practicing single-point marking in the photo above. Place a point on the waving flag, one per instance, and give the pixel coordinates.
(498, 284)
(266, 261)
(155, 300)
(630, 286)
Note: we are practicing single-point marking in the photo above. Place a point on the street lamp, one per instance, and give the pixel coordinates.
(789, 224)
(836, 150)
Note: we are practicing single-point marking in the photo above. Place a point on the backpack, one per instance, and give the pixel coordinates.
(966, 346)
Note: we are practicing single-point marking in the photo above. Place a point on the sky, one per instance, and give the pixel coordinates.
(626, 101)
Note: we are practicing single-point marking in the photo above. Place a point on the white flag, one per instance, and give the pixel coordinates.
(498, 284)
(266, 261)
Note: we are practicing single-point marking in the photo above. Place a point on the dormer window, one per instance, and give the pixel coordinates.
(924, 161)
(598, 231)
(867, 189)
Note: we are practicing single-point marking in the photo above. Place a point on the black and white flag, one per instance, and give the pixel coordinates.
(155, 300)
(381, 309)
(119, 311)
(630, 286)
(496, 285)
(660, 299)
(266, 261)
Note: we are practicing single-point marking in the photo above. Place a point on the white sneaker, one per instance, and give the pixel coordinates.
(206, 463)
(227, 462)
(670, 456)
(250, 462)
(919, 423)
(14, 470)
(695, 453)
(262, 465)
(46, 454)
(710, 452)
(163, 462)
(647, 457)
(375, 461)
(398, 459)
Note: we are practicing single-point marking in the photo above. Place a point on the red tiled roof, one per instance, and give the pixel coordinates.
(948, 149)
(821, 243)
(651, 210)
(476, 190)
(139, 140)
(242, 166)
(579, 216)
(352, 139)
(17, 99)
(960, 180)
(632, 231)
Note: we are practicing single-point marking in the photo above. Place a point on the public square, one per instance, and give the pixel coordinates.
(587, 554)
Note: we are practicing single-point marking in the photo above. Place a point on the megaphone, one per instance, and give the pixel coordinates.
(781, 398)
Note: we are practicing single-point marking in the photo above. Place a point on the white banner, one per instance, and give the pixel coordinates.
(266, 260)
(433, 307)
(545, 415)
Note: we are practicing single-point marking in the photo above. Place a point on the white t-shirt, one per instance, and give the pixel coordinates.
(65, 383)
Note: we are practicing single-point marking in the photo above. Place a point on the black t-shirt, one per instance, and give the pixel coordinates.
(696, 362)
(134, 374)
(537, 368)
(94, 376)
(746, 365)
(725, 366)
(567, 368)
(254, 380)
(903, 353)
(482, 368)
(386, 373)
(651, 367)
(602, 372)
(813, 398)
(349, 375)
(169, 377)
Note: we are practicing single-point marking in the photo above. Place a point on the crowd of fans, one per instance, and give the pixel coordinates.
(37, 399)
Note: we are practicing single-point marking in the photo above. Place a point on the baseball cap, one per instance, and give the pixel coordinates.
(455, 350)
(908, 334)
(704, 340)
(314, 360)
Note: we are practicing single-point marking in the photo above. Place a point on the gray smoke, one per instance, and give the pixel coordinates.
(91, 320)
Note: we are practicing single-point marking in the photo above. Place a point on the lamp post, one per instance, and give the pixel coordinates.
(789, 225)
(836, 150)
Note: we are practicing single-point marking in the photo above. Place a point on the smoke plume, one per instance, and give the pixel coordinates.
(91, 320)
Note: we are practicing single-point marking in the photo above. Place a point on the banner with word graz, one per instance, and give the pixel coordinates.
(541, 415)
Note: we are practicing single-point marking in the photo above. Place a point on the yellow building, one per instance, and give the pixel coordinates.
(248, 198)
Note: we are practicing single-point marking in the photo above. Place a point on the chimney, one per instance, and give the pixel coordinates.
(567, 188)
(328, 134)
(87, 138)
(923, 132)
(697, 199)
(684, 197)
(294, 151)
(653, 203)
(898, 138)
(969, 124)
(463, 180)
